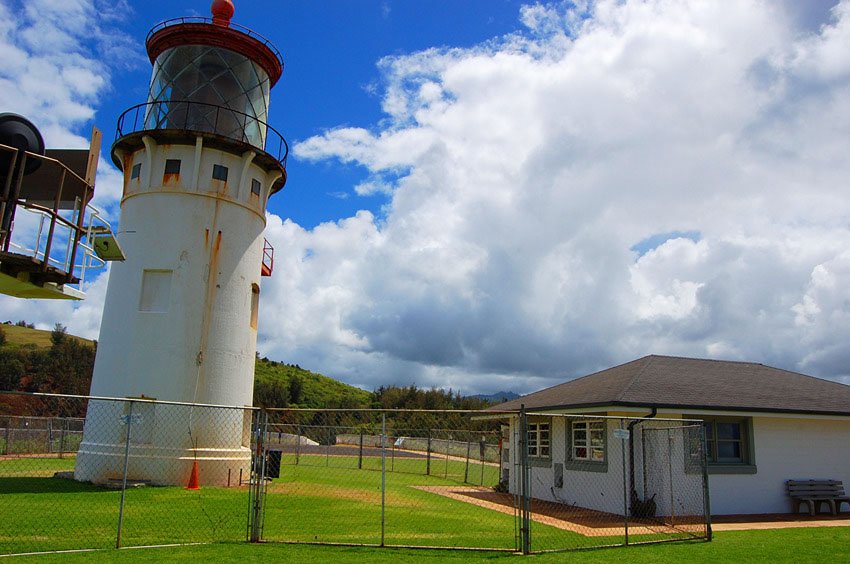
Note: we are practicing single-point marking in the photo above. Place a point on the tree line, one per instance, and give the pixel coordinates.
(413, 397)
(64, 367)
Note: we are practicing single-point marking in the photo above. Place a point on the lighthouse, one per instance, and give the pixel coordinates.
(180, 316)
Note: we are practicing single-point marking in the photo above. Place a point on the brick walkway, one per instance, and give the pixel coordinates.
(593, 523)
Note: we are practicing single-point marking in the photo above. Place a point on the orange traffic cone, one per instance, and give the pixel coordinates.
(194, 484)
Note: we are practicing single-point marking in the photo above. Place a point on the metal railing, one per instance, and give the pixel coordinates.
(268, 258)
(201, 117)
(59, 242)
(208, 21)
(61, 259)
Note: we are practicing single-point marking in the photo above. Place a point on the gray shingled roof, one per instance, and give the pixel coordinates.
(674, 382)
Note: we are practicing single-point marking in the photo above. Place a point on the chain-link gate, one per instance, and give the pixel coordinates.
(385, 478)
(590, 481)
(528, 482)
(257, 482)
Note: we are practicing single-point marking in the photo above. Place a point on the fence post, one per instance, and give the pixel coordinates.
(428, 455)
(446, 472)
(669, 476)
(705, 492)
(525, 483)
(298, 443)
(257, 479)
(466, 470)
(129, 422)
(625, 444)
(383, 472)
(360, 457)
(6, 447)
(328, 445)
(62, 438)
(482, 447)
(50, 435)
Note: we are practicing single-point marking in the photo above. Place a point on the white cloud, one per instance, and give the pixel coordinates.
(520, 173)
(51, 68)
(525, 169)
(52, 72)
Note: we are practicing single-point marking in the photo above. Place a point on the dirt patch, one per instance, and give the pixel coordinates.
(586, 522)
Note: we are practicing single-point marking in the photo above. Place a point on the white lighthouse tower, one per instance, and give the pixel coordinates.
(180, 317)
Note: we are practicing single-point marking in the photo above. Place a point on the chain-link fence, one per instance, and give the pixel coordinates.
(503, 481)
(78, 472)
(588, 481)
(384, 478)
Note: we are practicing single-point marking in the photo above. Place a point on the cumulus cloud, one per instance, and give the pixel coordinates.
(617, 178)
(524, 172)
(52, 62)
(52, 71)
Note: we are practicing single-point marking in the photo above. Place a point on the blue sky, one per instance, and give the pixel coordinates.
(490, 195)
(331, 78)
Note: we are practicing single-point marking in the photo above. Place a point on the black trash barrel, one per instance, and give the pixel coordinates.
(273, 464)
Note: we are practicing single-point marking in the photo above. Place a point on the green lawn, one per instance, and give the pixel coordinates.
(41, 513)
(343, 504)
(328, 499)
(455, 469)
(816, 545)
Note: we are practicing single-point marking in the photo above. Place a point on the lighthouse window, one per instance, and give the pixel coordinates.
(255, 186)
(219, 172)
(136, 171)
(172, 166)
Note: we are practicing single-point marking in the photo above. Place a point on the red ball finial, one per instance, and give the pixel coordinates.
(222, 11)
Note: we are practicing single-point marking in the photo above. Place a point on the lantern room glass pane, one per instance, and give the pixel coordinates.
(209, 89)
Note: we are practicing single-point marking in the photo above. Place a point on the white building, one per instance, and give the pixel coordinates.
(180, 318)
(763, 426)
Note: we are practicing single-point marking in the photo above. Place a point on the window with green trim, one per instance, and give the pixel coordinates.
(725, 441)
(728, 445)
(539, 442)
(588, 441)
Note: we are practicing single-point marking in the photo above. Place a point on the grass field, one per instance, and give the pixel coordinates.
(314, 501)
(777, 546)
(326, 499)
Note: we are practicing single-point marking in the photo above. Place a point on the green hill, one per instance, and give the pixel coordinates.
(27, 337)
(53, 361)
(286, 385)
(29, 361)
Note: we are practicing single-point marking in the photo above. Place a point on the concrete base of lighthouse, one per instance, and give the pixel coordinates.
(102, 464)
(164, 442)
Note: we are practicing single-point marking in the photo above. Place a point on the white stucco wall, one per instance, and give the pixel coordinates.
(601, 490)
(785, 447)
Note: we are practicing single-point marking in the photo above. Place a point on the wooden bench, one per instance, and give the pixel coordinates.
(814, 493)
